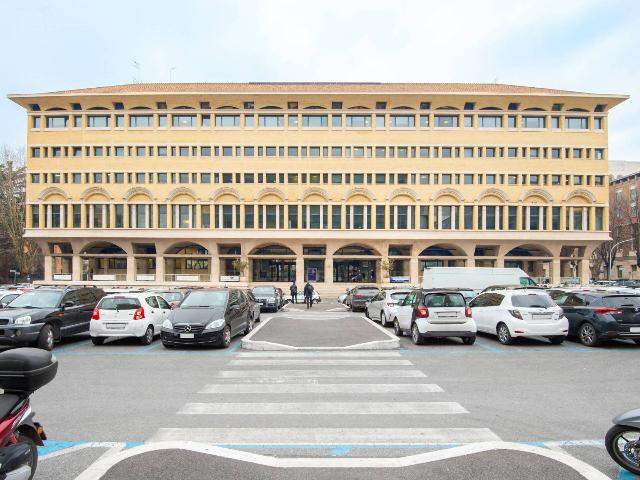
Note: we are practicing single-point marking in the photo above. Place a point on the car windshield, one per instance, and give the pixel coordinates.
(205, 299)
(617, 302)
(367, 291)
(171, 296)
(37, 299)
(444, 300)
(264, 291)
(399, 295)
(119, 303)
(532, 300)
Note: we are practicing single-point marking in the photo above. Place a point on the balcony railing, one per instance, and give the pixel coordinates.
(186, 277)
(104, 277)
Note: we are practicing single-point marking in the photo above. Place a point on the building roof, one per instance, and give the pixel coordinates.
(315, 87)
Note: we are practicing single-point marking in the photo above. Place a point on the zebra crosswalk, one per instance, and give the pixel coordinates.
(324, 398)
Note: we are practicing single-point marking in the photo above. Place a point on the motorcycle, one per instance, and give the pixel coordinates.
(623, 441)
(22, 372)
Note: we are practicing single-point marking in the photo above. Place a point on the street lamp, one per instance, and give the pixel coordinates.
(611, 253)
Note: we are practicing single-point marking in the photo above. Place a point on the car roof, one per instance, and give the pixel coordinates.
(518, 291)
(440, 290)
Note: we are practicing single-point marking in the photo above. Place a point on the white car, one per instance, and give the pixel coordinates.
(6, 296)
(382, 307)
(519, 313)
(315, 297)
(434, 314)
(128, 315)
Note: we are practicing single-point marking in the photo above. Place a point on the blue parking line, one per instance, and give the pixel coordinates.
(626, 475)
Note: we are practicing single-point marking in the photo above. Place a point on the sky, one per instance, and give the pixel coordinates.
(586, 45)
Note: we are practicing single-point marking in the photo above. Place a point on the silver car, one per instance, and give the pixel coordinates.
(256, 305)
(382, 306)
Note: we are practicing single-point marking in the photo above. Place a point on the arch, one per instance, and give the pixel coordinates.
(359, 107)
(98, 108)
(49, 191)
(580, 192)
(447, 107)
(272, 249)
(102, 247)
(529, 250)
(537, 192)
(227, 107)
(443, 250)
(129, 194)
(450, 192)
(95, 191)
(534, 109)
(577, 110)
(359, 191)
(224, 191)
(357, 249)
(314, 107)
(493, 192)
(491, 108)
(402, 107)
(311, 191)
(181, 191)
(265, 192)
(140, 107)
(183, 107)
(186, 248)
(404, 192)
(271, 107)
(56, 109)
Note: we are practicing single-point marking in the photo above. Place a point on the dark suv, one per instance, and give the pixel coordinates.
(595, 317)
(359, 297)
(45, 315)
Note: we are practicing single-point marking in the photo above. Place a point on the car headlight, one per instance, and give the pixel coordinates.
(26, 320)
(215, 324)
(167, 324)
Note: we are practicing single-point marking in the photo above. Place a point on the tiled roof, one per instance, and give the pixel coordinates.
(318, 87)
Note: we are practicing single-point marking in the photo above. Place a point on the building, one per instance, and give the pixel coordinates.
(623, 198)
(622, 168)
(332, 182)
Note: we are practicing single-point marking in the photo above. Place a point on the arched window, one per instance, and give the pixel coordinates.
(272, 250)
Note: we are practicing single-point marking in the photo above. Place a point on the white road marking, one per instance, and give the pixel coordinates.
(317, 361)
(320, 373)
(362, 388)
(115, 450)
(339, 309)
(75, 448)
(324, 408)
(327, 436)
(289, 354)
(98, 469)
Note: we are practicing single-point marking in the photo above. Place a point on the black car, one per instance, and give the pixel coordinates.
(210, 316)
(359, 297)
(595, 317)
(268, 297)
(45, 315)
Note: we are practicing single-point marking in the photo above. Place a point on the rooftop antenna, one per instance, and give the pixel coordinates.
(171, 74)
(136, 65)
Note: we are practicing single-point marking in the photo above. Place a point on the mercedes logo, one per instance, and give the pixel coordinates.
(187, 328)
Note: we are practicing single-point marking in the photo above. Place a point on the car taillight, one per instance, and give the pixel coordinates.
(96, 314)
(467, 312)
(610, 310)
(358, 296)
(516, 314)
(423, 312)
(138, 314)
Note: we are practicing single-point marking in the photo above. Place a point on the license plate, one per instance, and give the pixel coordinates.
(187, 335)
(634, 330)
(115, 326)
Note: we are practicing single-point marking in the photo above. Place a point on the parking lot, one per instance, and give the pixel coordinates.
(300, 404)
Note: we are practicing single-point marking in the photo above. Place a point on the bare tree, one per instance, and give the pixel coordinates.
(23, 252)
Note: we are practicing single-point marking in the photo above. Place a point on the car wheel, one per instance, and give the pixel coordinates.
(366, 312)
(26, 438)
(147, 338)
(45, 339)
(226, 337)
(97, 341)
(556, 340)
(396, 328)
(504, 336)
(588, 335)
(383, 319)
(469, 340)
(415, 335)
(247, 330)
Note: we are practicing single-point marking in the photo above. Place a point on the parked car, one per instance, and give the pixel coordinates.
(382, 307)
(210, 316)
(494, 288)
(6, 296)
(255, 305)
(139, 315)
(43, 316)
(315, 297)
(519, 313)
(268, 297)
(172, 296)
(359, 296)
(434, 314)
(343, 297)
(595, 317)
(280, 297)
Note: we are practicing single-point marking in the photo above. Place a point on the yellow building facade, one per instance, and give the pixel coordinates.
(337, 183)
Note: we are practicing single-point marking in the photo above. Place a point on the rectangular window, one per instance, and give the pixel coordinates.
(36, 122)
(248, 216)
(206, 122)
(98, 121)
(424, 121)
(292, 121)
(336, 121)
(576, 123)
(35, 216)
(402, 121)
(468, 217)
(424, 217)
(292, 216)
(599, 218)
(489, 121)
(119, 121)
(380, 121)
(490, 152)
(599, 153)
(511, 121)
(534, 152)
(555, 218)
(446, 121)
(359, 121)
(183, 121)
(141, 121)
(468, 121)
(533, 122)
(513, 218)
(490, 179)
(184, 151)
(57, 122)
(445, 152)
(315, 121)
(162, 121)
(597, 123)
(141, 151)
(271, 121)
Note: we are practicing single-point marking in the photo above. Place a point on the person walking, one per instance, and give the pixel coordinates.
(308, 295)
(294, 292)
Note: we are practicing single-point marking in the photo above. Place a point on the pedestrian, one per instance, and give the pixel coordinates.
(308, 295)
(294, 292)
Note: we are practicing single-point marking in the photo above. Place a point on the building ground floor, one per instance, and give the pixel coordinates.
(331, 259)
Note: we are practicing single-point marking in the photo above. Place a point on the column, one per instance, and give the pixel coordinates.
(328, 270)
(585, 271)
(470, 262)
(159, 268)
(300, 269)
(48, 273)
(131, 269)
(555, 271)
(571, 218)
(500, 262)
(47, 222)
(215, 268)
(76, 268)
(414, 271)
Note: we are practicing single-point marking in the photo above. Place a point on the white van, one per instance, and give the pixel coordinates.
(475, 278)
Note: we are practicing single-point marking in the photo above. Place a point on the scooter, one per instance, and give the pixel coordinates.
(22, 372)
(623, 441)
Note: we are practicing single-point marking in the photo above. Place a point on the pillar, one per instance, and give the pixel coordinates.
(470, 262)
(159, 268)
(131, 269)
(48, 273)
(215, 268)
(76, 268)
(299, 270)
(500, 262)
(556, 272)
(414, 271)
(585, 271)
(328, 270)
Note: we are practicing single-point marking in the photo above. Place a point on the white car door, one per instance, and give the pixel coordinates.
(405, 311)
(374, 306)
(493, 312)
(164, 309)
(479, 311)
(154, 311)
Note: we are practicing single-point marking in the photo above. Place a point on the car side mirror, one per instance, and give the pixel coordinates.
(2, 305)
